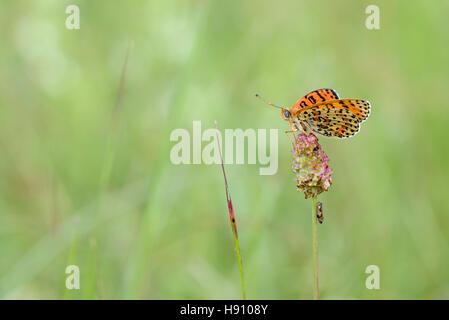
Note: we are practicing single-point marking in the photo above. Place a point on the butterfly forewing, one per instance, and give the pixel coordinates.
(314, 97)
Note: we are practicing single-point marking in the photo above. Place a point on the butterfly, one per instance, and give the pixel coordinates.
(322, 111)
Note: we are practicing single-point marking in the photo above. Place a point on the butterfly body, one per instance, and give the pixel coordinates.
(322, 111)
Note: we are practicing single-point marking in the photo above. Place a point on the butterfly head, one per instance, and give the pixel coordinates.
(285, 114)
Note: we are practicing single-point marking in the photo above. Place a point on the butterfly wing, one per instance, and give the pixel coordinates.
(334, 124)
(338, 118)
(314, 97)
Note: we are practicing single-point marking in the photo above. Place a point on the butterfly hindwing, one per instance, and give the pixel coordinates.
(334, 128)
(332, 119)
(359, 108)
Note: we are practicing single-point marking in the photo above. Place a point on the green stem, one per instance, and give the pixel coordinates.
(315, 248)
(237, 248)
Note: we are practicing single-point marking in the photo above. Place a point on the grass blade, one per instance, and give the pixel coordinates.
(232, 217)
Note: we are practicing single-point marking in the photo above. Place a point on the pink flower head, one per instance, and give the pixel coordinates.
(310, 164)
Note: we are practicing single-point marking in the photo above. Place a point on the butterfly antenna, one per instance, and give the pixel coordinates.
(267, 102)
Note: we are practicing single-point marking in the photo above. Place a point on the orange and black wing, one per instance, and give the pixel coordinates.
(338, 118)
(314, 97)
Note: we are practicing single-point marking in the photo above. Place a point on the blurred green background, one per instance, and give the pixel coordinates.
(86, 178)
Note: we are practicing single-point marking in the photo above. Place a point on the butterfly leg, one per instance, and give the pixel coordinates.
(287, 134)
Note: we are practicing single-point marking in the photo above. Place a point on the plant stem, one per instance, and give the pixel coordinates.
(315, 248)
(231, 216)
(237, 248)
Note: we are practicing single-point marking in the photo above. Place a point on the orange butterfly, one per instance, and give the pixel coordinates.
(322, 111)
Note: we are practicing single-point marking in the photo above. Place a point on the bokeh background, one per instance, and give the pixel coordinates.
(86, 178)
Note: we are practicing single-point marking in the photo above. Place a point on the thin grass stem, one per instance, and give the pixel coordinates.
(232, 218)
(237, 248)
(315, 249)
